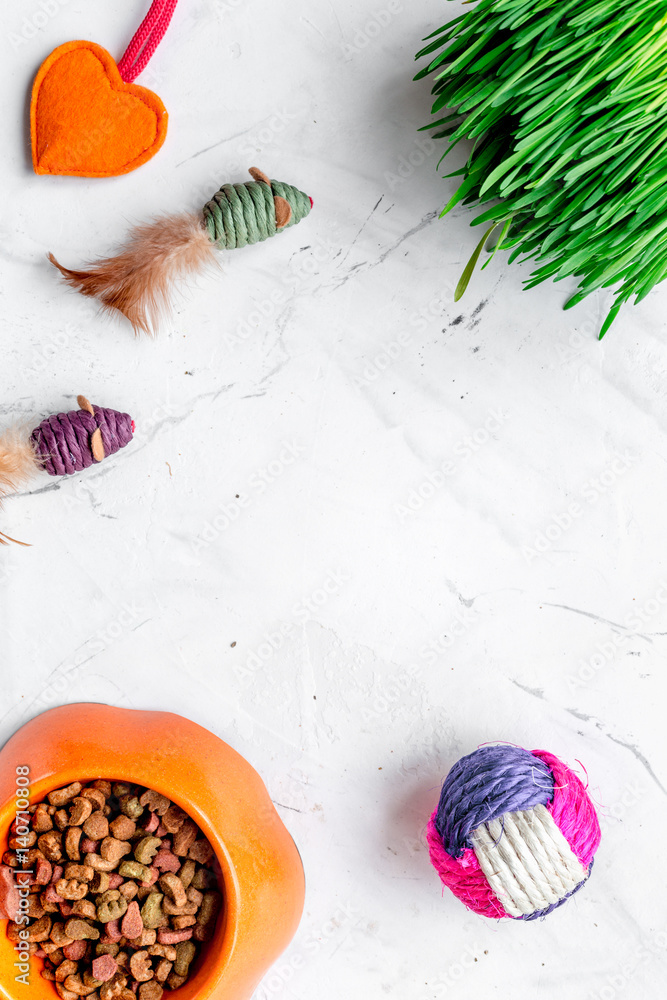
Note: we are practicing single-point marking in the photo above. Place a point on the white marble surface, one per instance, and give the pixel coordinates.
(348, 636)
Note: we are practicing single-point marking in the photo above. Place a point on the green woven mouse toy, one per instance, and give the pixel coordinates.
(138, 281)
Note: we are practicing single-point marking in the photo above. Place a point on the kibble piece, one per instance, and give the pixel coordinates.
(43, 871)
(110, 906)
(185, 873)
(166, 936)
(178, 923)
(96, 826)
(40, 930)
(140, 966)
(114, 988)
(156, 803)
(41, 821)
(122, 827)
(65, 969)
(203, 879)
(80, 810)
(104, 786)
(201, 851)
(113, 850)
(89, 979)
(99, 882)
(163, 951)
(82, 873)
(71, 888)
(132, 869)
(95, 861)
(75, 985)
(150, 991)
(178, 911)
(113, 931)
(58, 935)
(185, 838)
(132, 924)
(80, 930)
(207, 916)
(185, 952)
(61, 819)
(35, 908)
(162, 969)
(84, 908)
(50, 844)
(76, 950)
(105, 968)
(174, 982)
(173, 887)
(96, 797)
(64, 795)
(63, 993)
(151, 911)
(130, 806)
(168, 862)
(153, 876)
(128, 889)
(174, 818)
(72, 842)
(107, 948)
(146, 849)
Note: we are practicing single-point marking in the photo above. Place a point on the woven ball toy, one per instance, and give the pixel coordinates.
(566, 106)
(138, 281)
(514, 833)
(61, 445)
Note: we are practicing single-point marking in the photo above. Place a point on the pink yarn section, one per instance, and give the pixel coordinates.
(573, 813)
(572, 810)
(463, 876)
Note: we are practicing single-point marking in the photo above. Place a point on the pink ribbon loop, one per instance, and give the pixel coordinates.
(146, 40)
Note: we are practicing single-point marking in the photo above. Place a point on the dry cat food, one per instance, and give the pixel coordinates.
(122, 890)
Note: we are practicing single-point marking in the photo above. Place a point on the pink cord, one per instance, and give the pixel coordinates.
(147, 39)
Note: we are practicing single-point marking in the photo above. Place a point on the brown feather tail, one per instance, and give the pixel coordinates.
(139, 281)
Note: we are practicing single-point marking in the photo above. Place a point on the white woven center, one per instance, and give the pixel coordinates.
(527, 861)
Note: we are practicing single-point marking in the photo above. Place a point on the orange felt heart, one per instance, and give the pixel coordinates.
(85, 120)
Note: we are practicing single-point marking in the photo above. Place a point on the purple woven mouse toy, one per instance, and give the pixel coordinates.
(61, 445)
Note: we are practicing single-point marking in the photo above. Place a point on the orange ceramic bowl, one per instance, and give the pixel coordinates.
(262, 874)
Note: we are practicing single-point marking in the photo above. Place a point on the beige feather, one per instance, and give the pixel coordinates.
(18, 464)
(138, 282)
(18, 461)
